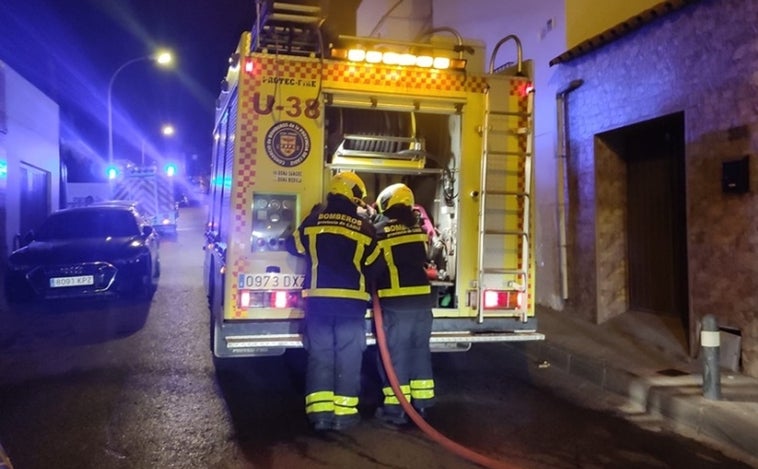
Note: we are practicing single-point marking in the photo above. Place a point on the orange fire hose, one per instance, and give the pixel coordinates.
(430, 431)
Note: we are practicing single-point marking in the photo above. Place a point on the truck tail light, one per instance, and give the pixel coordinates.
(245, 298)
(279, 299)
(502, 299)
(526, 88)
(269, 299)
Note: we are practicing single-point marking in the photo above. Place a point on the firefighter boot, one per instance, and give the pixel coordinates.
(392, 415)
(321, 421)
(423, 412)
(343, 422)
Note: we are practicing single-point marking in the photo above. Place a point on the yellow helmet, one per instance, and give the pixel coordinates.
(349, 185)
(393, 195)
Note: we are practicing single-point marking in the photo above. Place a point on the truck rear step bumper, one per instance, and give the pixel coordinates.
(452, 341)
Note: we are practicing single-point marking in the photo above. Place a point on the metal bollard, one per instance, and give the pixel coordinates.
(709, 344)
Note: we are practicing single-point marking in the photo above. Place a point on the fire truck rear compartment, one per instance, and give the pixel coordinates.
(385, 147)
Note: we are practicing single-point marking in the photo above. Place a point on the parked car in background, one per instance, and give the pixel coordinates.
(149, 216)
(134, 206)
(96, 251)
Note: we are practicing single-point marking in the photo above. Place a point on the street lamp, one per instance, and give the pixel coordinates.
(161, 58)
(168, 130)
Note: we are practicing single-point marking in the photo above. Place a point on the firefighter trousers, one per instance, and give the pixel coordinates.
(335, 345)
(407, 332)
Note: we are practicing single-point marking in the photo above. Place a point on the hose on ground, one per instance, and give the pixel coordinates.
(430, 431)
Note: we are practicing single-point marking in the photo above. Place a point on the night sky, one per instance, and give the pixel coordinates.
(69, 49)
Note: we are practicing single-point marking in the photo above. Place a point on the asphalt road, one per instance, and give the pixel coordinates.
(134, 386)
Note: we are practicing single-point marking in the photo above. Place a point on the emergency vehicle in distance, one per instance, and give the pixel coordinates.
(151, 189)
(292, 113)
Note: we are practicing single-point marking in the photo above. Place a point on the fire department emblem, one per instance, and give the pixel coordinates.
(287, 144)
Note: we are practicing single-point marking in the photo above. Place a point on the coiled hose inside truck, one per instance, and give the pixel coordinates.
(432, 433)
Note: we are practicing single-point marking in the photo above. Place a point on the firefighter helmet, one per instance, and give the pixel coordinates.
(393, 195)
(348, 184)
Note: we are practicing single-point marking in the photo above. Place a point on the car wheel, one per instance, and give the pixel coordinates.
(148, 286)
(146, 292)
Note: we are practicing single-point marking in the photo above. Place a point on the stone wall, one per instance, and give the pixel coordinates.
(701, 61)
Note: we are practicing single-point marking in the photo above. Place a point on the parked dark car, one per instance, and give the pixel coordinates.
(86, 252)
(135, 206)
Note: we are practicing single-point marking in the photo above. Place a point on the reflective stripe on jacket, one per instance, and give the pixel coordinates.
(403, 251)
(336, 241)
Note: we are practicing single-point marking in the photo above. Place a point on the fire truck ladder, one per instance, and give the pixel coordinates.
(504, 218)
(286, 28)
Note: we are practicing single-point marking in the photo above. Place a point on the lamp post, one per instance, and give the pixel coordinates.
(162, 58)
(167, 130)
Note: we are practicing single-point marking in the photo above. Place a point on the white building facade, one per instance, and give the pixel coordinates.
(29, 157)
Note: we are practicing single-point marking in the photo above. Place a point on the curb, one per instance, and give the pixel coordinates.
(677, 398)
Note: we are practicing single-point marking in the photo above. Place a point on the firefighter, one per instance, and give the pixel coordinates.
(336, 240)
(405, 297)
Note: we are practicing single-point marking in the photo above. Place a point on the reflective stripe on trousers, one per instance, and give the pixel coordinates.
(335, 346)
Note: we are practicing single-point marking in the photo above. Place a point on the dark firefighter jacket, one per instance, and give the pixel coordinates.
(336, 242)
(401, 279)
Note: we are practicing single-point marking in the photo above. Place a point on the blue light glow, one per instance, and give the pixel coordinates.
(170, 169)
(220, 181)
(112, 172)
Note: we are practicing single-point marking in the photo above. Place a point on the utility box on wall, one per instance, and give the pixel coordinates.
(735, 176)
(731, 348)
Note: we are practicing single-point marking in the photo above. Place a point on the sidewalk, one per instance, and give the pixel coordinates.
(642, 357)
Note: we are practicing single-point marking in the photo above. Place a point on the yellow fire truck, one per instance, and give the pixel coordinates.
(295, 108)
